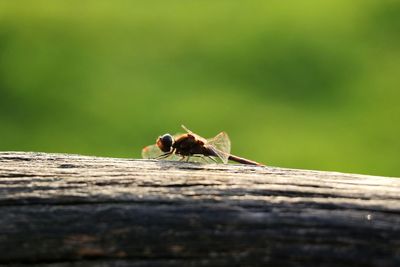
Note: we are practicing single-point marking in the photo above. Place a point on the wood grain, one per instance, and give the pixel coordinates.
(70, 210)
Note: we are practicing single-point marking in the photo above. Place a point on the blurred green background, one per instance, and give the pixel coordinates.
(301, 84)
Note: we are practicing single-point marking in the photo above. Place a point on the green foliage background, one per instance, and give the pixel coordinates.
(301, 84)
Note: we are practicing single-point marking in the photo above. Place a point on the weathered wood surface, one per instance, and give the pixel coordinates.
(69, 210)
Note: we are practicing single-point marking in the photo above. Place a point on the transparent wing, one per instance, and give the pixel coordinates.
(186, 129)
(195, 135)
(151, 152)
(199, 159)
(220, 145)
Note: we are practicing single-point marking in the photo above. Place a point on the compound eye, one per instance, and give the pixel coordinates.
(165, 142)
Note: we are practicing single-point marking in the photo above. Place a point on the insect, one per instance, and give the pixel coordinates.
(190, 146)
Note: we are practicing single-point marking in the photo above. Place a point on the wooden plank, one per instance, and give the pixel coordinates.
(70, 210)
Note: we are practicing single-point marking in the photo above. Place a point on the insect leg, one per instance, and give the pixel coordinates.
(213, 159)
(163, 156)
(204, 158)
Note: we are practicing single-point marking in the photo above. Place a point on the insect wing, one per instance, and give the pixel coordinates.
(221, 146)
(198, 137)
(151, 152)
(186, 129)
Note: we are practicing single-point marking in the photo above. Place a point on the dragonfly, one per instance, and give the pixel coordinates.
(192, 147)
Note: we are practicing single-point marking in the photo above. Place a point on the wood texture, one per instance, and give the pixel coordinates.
(69, 210)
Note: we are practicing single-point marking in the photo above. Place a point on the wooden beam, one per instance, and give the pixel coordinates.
(70, 210)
